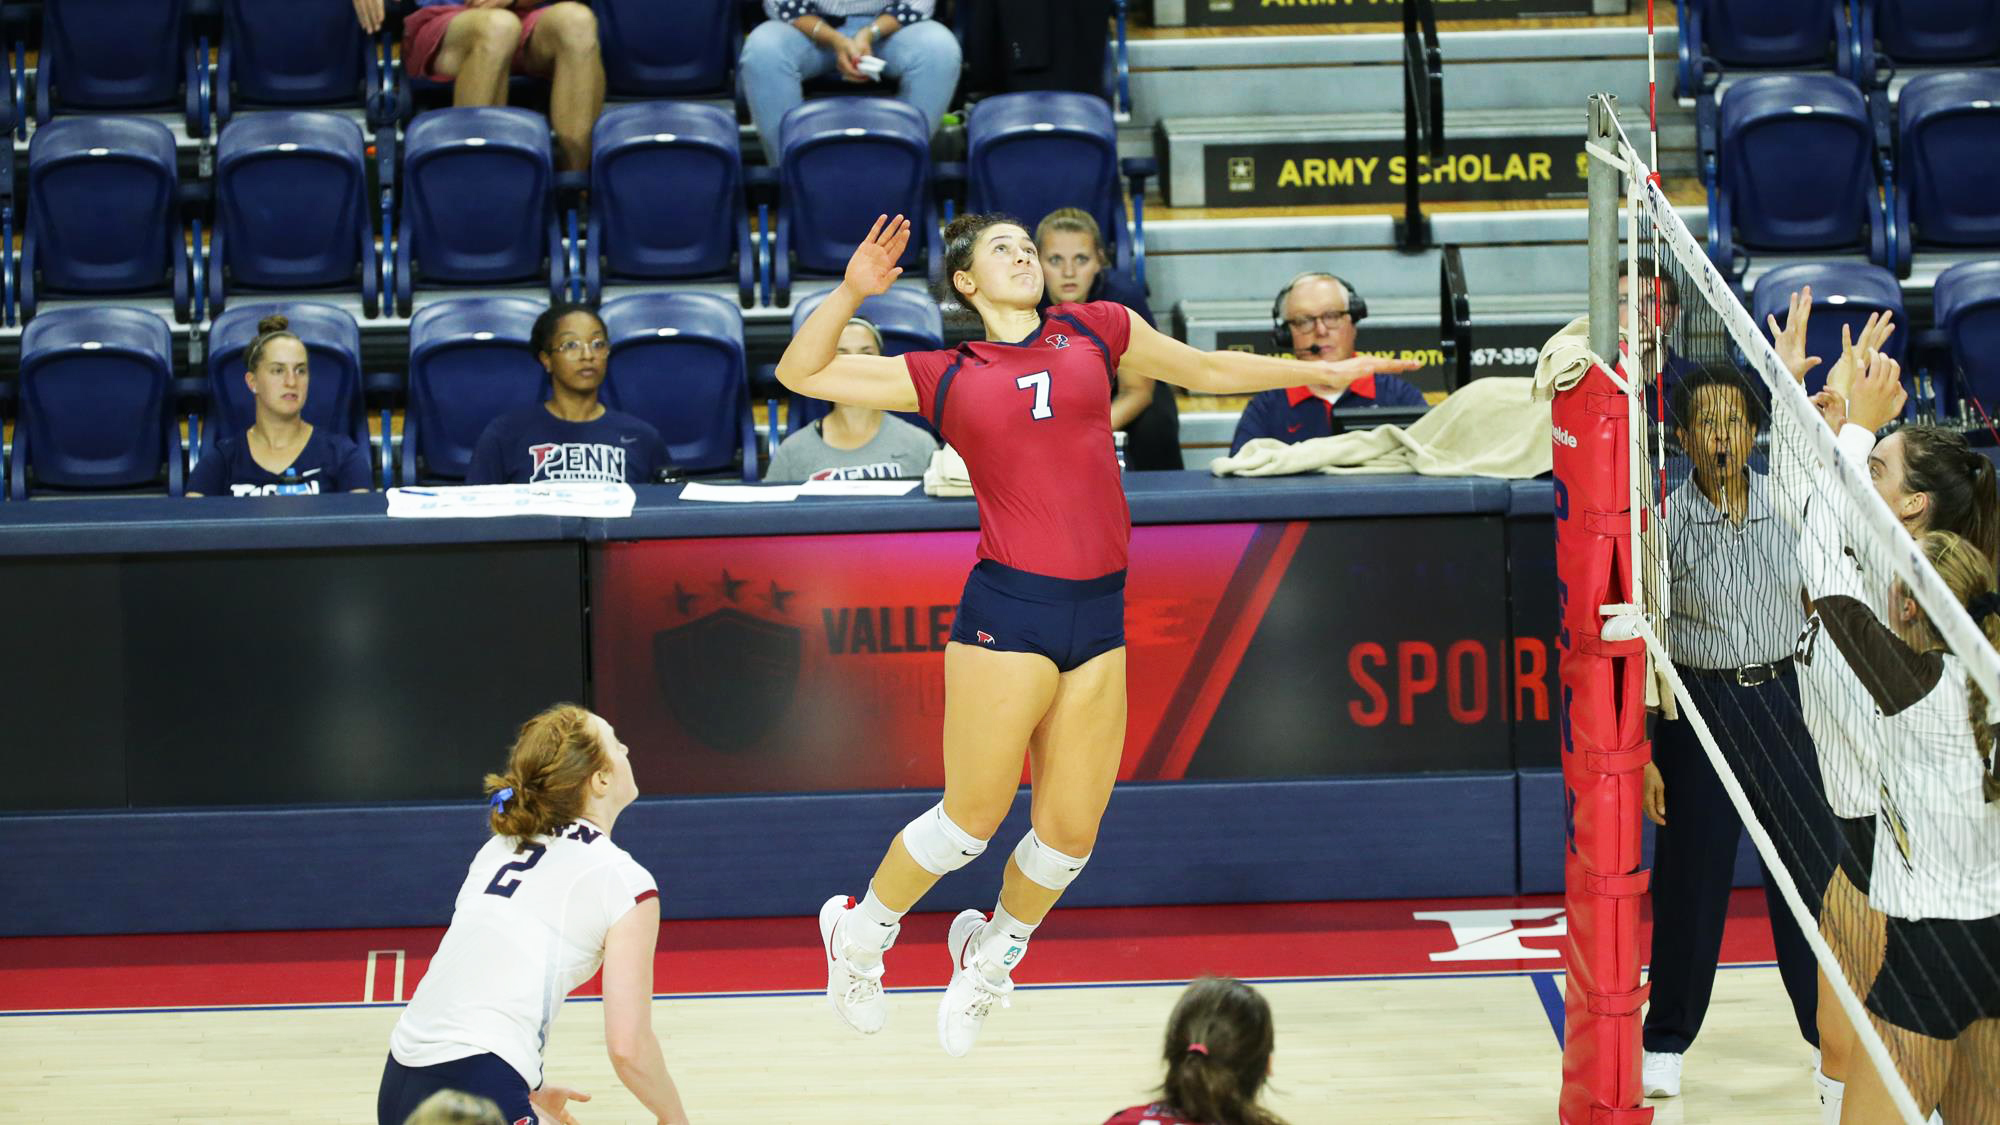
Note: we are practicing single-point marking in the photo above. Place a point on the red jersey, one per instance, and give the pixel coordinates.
(1154, 1114)
(1033, 421)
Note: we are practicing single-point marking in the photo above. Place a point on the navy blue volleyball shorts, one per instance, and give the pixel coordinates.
(404, 1088)
(1070, 621)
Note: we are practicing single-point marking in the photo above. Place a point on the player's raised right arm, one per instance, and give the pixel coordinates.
(628, 1013)
(812, 365)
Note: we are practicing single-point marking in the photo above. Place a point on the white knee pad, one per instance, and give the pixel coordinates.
(939, 846)
(1045, 865)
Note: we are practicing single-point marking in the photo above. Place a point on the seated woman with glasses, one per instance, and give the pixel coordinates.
(572, 436)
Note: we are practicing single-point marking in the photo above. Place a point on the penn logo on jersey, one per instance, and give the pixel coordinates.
(589, 461)
(985, 637)
(1056, 341)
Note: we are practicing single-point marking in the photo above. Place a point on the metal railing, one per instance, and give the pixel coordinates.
(1423, 117)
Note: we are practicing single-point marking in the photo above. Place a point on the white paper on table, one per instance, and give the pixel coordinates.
(858, 487)
(739, 493)
(587, 499)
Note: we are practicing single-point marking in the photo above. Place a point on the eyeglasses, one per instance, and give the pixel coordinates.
(1326, 320)
(570, 349)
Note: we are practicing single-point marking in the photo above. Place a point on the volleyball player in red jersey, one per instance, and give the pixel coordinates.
(1036, 662)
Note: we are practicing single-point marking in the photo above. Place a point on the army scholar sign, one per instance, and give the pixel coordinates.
(1322, 173)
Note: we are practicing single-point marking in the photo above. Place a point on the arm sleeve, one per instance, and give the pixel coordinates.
(926, 369)
(1894, 675)
(1123, 288)
(489, 465)
(789, 10)
(1110, 320)
(908, 12)
(206, 477)
(625, 885)
(1255, 422)
(353, 473)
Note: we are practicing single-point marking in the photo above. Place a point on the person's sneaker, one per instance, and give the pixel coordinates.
(1660, 1074)
(854, 991)
(970, 996)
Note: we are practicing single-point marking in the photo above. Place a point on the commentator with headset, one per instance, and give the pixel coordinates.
(1314, 317)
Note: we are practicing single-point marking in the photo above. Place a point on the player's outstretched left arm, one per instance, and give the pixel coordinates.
(628, 1013)
(1242, 373)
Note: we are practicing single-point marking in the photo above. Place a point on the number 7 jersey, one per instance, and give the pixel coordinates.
(1033, 421)
(527, 929)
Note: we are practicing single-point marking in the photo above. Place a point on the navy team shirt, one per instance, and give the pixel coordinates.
(1295, 413)
(532, 445)
(326, 463)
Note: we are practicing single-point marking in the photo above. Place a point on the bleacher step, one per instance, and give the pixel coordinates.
(1325, 159)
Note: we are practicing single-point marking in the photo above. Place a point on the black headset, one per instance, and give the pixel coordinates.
(1281, 333)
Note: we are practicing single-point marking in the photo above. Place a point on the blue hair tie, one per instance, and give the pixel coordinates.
(500, 799)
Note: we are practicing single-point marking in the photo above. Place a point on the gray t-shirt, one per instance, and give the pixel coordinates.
(899, 451)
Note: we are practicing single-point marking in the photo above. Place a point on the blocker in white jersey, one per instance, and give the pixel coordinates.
(546, 902)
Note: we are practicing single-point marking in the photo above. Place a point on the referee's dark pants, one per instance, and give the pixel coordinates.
(1759, 730)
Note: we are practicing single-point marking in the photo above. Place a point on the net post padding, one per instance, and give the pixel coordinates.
(1604, 752)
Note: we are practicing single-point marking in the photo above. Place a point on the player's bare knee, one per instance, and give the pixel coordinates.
(572, 28)
(940, 844)
(1047, 865)
(494, 31)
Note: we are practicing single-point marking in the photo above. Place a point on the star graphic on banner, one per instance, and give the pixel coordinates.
(730, 587)
(777, 597)
(684, 602)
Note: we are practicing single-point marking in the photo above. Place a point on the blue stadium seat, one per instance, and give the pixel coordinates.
(1966, 300)
(909, 320)
(1794, 172)
(1718, 35)
(1031, 153)
(108, 55)
(291, 208)
(333, 355)
(1948, 160)
(95, 404)
(103, 213)
(469, 363)
(652, 151)
(1844, 293)
(677, 363)
(655, 50)
(879, 142)
(1924, 33)
(298, 54)
(478, 202)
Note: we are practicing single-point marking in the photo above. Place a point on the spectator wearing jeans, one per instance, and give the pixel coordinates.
(572, 436)
(476, 45)
(1316, 314)
(1076, 269)
(805, 39)
(853, 442)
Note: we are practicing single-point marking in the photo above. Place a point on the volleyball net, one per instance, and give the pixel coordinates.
(1750, 633)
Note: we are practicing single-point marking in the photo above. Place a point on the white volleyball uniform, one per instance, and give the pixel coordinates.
(528, 927)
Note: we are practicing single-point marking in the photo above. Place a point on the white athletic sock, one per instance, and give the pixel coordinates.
(869, 929)
(1831, 1092)
(1002, 943)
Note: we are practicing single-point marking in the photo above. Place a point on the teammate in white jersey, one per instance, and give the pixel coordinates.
(546, 901)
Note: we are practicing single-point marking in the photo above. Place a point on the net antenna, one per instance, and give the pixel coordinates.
(1621, 483)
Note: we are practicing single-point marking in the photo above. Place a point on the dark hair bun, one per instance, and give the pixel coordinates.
(276, 322)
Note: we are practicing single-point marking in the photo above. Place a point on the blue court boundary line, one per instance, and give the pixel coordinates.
(1369, 978)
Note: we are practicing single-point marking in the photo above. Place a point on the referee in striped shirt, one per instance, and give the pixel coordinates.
(1736, 618)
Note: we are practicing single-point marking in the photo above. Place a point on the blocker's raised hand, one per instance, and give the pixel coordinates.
(873, 267)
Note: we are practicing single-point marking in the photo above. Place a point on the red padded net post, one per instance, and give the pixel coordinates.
(1604, 754)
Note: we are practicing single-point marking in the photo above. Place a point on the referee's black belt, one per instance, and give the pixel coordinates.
(1749, 675)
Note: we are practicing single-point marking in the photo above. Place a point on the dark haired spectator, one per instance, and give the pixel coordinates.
(572, 436)
(806, 39)
(1076, 269)
(1218, 1054)
(853, 442)
(476, 45)
(281, 454)
(1316, 311)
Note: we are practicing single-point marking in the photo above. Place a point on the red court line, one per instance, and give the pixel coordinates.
(783, 954)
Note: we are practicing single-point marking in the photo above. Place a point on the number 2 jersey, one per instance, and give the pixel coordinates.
(1033, 421)
(528, 927)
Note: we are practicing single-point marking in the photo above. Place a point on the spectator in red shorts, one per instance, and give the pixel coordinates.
(476, 45)
(1218, 1055)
